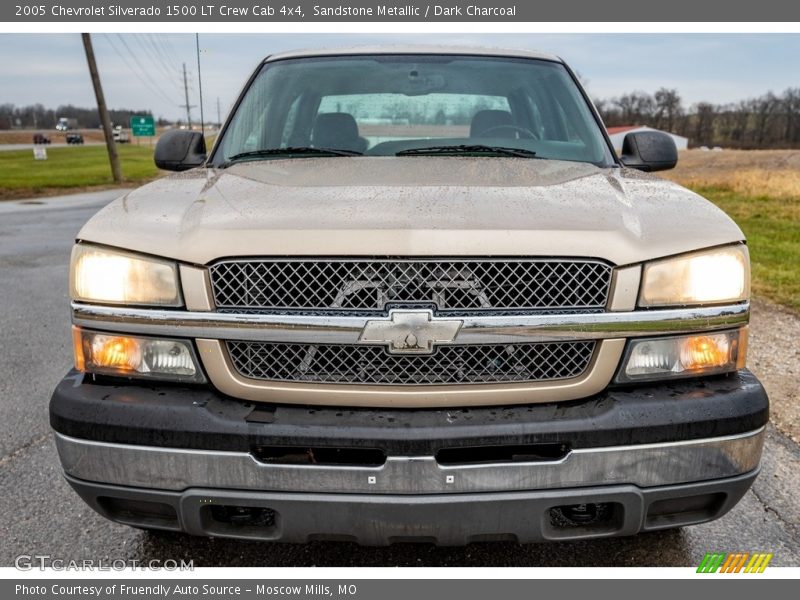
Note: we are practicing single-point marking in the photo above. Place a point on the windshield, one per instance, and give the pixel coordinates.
(385, 105)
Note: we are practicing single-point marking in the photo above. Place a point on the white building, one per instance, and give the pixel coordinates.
(617, 134)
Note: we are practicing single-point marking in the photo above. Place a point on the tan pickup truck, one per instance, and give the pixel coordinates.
(410, 294)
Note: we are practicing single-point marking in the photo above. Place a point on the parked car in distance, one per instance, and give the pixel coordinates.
(411, 294)
(74, 138)
(40, 138)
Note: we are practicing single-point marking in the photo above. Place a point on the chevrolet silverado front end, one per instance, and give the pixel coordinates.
(410, 294)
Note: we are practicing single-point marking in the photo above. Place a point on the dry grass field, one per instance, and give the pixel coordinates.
(760, 190)
(773, 173)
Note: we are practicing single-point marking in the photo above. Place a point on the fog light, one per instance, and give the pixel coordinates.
(130, 356)
(684, 356)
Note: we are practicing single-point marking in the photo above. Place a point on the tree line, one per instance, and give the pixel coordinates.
(37, 116)
(768, 121)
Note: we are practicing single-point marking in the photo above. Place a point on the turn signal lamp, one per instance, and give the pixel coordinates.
(130, 356)
(684, 356)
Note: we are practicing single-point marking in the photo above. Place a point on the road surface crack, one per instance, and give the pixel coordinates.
(34, 442)
(767, 508)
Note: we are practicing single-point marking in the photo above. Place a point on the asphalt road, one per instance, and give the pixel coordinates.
(39, 513)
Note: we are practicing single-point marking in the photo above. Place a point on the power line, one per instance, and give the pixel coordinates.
(169, 74)
(166, 51)
(169, 47)
(168, 62)
(145, 50)
(187, 106)
(199, 85)
(130, 67)
(165, 56)
(154, 88)
(144, 71)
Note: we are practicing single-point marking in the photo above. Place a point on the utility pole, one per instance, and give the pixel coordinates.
(113, 157)
(219, 114)
(187, 106)
(199, 86)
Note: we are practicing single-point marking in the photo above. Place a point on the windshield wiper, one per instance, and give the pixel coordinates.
(468, 149)
(288, 151)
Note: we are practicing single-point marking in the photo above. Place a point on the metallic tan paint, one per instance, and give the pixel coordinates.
(411, 206)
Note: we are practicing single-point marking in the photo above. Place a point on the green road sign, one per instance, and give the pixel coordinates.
(143, 126)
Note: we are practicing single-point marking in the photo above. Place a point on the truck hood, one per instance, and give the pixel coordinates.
(411, 206)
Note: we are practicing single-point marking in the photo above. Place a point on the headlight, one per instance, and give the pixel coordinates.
(711, 276)
(116, 277)
(684, 356)
(134, 356)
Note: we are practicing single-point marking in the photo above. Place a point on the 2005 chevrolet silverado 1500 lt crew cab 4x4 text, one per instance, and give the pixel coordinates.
(410, 294)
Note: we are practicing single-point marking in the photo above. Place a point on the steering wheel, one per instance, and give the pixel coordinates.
(528, 134)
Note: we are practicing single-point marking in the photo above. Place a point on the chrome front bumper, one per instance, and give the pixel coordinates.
(642, 465)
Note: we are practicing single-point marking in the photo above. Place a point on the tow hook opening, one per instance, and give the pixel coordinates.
(570, 520)
(579, 515)
(240, 520)
(253, 516)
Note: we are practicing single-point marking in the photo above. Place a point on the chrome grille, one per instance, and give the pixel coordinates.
(454, 285)
(456, 364)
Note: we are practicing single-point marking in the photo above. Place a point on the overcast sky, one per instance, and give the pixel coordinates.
(143, 71)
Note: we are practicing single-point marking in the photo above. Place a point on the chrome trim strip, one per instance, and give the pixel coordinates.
(644, 465)
(337, 329)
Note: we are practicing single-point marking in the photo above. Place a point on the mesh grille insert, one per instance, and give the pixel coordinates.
(456, 364)
(455, 285)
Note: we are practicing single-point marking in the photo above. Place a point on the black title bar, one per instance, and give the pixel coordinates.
(266, 11)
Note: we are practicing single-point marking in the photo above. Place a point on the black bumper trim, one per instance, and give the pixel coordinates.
(454, 519)
(200, 418)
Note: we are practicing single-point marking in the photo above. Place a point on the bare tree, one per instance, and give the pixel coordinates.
(704, 123)
(765, 109)
(636, 108)
(668, 109)
(791, 110)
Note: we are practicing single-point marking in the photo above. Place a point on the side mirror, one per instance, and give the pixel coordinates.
(179, 150)
(649, 151)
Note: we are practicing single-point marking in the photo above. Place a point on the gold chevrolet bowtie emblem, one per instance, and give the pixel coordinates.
(410, 331)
